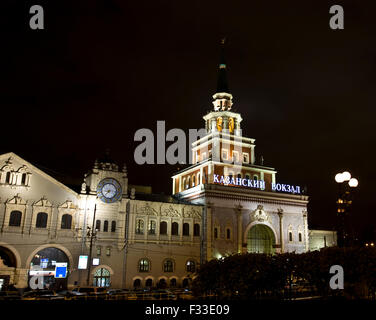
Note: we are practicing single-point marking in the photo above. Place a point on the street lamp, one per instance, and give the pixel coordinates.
(346, 184)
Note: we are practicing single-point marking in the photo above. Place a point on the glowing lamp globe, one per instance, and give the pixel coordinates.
(353, 183)
(339, 178)
(346, 176)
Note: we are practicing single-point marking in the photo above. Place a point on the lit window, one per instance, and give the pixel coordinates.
(245, 157)
(235, 156)
(168, 266)
(191, 266)
(144, 265)
(152, 226)
(108, 251)
(99, 250)
(140, 226)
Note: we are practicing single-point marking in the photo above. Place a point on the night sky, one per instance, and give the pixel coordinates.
(102, 69)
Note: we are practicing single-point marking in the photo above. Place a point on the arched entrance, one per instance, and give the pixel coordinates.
(45, 262)
(102, 277)
(260, 239)
(8, 264)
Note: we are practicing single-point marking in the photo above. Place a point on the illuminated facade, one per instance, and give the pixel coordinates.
(225, 202)
(246, 210)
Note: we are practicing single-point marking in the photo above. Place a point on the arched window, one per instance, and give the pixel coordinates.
(247, 176)
(41, 220)
(215, 233)
(300, 237)
(175, 229)
(255, 177)
(168, 266)
(191, 266)
(149, 283)
(185, 283)
(186, 229)
(173, 282)
(144, 265)
(98, 225)
(105, 226)
(188, 183)
(140, 226)
(184, 186)
(23, 179)
(228, 233)
(290, 235)
(15, 218)
(193, 181)
(113, 226)
(196, 230)
(239, 176)
(66, 221)
(152, 226)
(7, 177)
(163, 227)
(137, 283)
(102, 278)
(198, 178)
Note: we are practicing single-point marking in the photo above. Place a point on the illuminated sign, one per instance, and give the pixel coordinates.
(258, 184)
(82, 262)
(96, 262)
(61, 269)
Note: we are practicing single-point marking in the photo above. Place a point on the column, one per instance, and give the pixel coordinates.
(280, 214)
(209, 228)
(238, 211)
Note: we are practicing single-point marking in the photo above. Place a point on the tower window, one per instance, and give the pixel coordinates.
(186, 229)
(290, 235)
(175, 229)
(113, 226)
(224, 154)
(105, 226)
(23, 179)
(196, 230)
(215, 233)
(140, 226)
(300, 237)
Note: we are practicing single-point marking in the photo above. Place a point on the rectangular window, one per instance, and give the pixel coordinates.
(245, 157)
(108, 251)
(224, 154)
(235, 156)
(215, 233)
(290, 236)
(98, 251)
(203, 156)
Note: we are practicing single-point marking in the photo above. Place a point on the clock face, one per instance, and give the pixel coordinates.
(109, 190)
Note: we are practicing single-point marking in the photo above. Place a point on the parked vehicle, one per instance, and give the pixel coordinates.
(41, 295)
(87, 293)
(163, 294)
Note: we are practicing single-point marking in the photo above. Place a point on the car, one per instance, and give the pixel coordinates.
(42, 295)
(88, 293)
(162, 294)
(117, 291)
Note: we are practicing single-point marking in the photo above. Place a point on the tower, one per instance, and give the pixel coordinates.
(223, 155)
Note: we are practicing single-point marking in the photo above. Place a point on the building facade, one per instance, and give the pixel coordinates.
(110, 233)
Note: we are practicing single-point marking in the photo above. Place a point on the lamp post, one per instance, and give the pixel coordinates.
(346, 185)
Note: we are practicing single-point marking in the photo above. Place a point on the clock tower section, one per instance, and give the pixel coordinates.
(223, 151)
